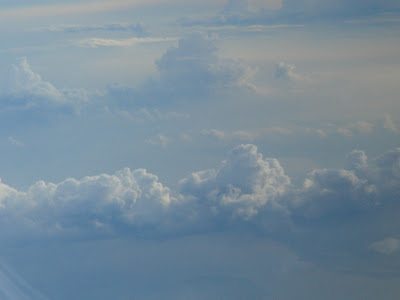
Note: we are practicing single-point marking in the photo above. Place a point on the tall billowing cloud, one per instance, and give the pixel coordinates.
(244, 183)
(190, 70)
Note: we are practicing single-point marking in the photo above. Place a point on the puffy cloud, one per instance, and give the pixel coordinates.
(345, 132)
(27, 90)
(333, 193)
(387, 172)
(356, 160)
(285, 71)
(214, 133)
(159, 140)
(387, 246)
(247, 189)
(242, 185)
(15, 142)
(102, 204)
(195, 68)
(390, 125)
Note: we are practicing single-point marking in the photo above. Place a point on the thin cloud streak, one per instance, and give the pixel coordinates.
(81, 8)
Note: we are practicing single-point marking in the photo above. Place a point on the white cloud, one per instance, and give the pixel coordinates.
(103, 42)
(362, 127)
(337, 8)
(76, 8)
(387, 246)
(159, 140)
(286, 71)
(193, 68)
(15, 142)
(390, 125)
(151, 115)
(137, 28)
(356, 160)
(345, 132)
(102, 203)
(242, 185)
(214, 133)
(27, 90)
(246, 135)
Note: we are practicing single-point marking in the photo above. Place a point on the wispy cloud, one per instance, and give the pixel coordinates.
(73, 9)
(102, 42)
(72, 28)
(80, 8)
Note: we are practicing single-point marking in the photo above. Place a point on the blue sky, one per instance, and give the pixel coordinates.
(183, 150)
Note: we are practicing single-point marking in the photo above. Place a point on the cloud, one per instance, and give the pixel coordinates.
(101, 204)
(250, 6)
(159, 140)
(338, 9)
(335, 214)
(103, 42)
(345, 132)
(26, 90)
(390, 125)
(246, 135)
(151, 115)
(286, 71)
(333, 193)
(138, 28)
(215, 134)
(92, 7)
(195, 68)
(387, 246)
(15, 142)
(244, 183)
(191, 70)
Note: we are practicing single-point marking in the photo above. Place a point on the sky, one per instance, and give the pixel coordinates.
(226, 149)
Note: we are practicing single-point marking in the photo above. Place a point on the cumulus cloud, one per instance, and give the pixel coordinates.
(27, 90)
(102, 203)
(195, 68)
(285, 71)
(244, 183)
(190, 70)
(390, 125)
(159, 140)
(333, 193)
(246, 190)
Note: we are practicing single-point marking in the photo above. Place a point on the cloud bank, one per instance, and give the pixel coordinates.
(246, 188)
